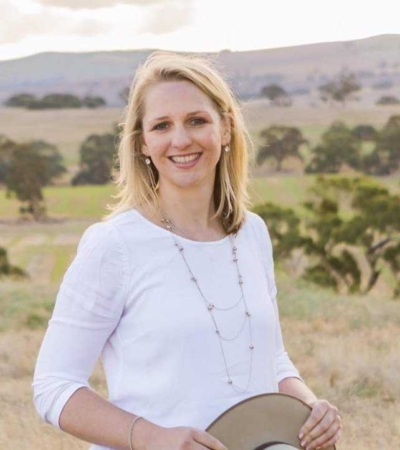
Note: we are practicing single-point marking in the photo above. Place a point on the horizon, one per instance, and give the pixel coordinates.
(200, 26)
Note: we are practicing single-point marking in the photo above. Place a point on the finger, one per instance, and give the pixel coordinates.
(209, 441)
(330, 418)
(316, 415)
(324, 437)
(332, 441)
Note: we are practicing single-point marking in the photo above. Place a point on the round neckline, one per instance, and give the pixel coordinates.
(183, 239)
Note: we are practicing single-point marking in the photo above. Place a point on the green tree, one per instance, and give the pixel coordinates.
(283, 227)
(93, 102)
(387, 100)
(7, 146)
(279, 143)
(365, 133)
(385, 159)
(340, 88)
(368, 220)
(7, 270)
(276, 94)
(339, 147)
(21, 100)
(32, 166)
(57, 101)
(97, 159)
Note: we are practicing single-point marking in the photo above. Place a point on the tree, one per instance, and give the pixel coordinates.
(388, 100)
(21, 100)
(279, 143)
(372, 227)
(339, 147)
(283, 227)
(6, 269)
(97, 158)
(93, 102)
(7, 146)
(365, 133)
(57, 101)
(32, 166)
(385, 159)
(340, 88)
(277, 95)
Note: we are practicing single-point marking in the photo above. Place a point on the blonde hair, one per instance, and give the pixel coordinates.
(137, 182)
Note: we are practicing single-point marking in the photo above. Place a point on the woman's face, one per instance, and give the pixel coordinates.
(182, 134)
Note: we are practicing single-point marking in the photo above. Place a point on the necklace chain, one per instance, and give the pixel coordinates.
(211, 306)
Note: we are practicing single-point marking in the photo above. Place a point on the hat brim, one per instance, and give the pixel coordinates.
(264, 421)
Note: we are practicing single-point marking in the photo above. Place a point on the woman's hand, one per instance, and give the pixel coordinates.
(322, 428)
(148, 436)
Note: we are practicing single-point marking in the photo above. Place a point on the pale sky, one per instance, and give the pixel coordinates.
(33, 26)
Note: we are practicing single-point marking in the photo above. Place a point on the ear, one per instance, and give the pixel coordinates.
(145, 150)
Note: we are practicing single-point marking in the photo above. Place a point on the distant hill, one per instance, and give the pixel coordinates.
(299, 69)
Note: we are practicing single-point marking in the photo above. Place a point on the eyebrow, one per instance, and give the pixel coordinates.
(193, 113)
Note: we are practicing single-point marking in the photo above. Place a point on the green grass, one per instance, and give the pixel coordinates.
(73, 202)
(80, 202)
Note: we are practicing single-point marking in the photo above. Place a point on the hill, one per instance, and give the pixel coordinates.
(299, 69)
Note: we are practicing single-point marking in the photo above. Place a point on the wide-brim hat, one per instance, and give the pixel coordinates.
(266, 421)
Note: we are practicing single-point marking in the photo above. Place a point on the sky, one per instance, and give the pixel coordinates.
(33, 26)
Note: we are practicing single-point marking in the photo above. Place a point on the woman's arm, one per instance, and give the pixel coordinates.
(93, 419)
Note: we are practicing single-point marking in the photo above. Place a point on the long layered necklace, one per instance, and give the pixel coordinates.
(211, 306)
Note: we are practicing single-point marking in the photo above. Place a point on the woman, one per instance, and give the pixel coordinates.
(175, 289)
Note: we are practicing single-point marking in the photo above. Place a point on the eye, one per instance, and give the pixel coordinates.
(198, 121)
(160, 126)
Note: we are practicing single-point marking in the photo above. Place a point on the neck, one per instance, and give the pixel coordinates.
(190, 210)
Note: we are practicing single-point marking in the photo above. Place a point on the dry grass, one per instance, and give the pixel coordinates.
(346, 348)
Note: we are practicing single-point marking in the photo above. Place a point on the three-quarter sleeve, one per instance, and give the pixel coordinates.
(284, 366)
(88, 307)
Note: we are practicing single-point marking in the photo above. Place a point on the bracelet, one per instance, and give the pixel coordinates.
(131, 430)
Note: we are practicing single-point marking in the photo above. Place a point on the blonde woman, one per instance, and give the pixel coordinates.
(175, 287)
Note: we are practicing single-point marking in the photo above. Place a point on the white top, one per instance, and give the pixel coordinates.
(128, 297)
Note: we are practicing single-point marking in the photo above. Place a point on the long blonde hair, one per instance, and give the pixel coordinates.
(137, 182)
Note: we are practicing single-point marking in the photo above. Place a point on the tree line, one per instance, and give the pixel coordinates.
(25, 168)
(54, 101)
(339, 90)
(361, 148)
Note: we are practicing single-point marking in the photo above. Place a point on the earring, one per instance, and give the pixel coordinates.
(147, 161)
(226, 148)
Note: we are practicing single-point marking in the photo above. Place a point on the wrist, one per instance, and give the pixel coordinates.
(141, 433)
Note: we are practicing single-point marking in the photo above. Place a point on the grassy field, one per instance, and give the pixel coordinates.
(347, 348)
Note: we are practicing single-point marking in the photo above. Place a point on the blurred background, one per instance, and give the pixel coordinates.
(319, 86)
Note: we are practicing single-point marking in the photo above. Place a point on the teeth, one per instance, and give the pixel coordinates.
(184, 159)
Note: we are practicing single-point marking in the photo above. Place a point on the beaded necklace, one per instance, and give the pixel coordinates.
(168, 224)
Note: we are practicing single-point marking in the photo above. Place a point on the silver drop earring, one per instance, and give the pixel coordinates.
(226, 148)
(148, 161)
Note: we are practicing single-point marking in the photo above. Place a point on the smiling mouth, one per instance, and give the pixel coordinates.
(185, 159)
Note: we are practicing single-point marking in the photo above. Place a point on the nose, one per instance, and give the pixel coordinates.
(180, 138)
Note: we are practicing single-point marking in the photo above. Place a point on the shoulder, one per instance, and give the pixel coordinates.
(258, 224)
(108, 233)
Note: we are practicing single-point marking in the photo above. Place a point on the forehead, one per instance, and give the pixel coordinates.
(170, 98)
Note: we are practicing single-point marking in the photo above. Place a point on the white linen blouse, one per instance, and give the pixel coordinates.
(128, 297)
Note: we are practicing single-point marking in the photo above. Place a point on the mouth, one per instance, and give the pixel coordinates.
(185, 160)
